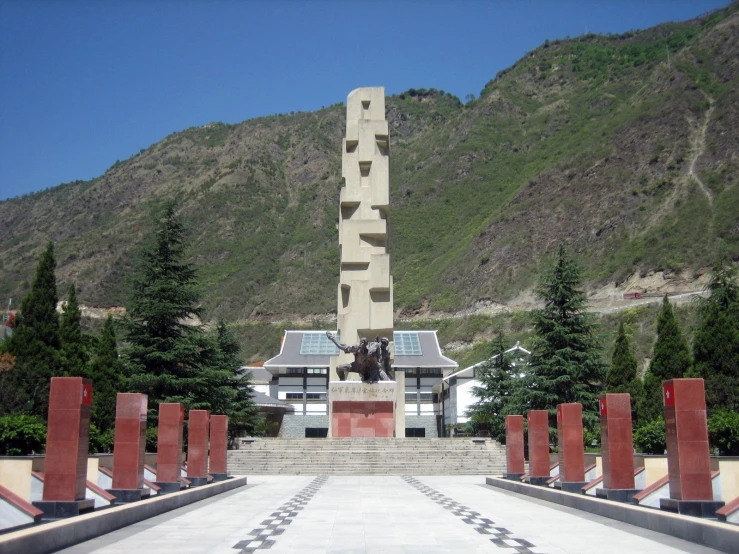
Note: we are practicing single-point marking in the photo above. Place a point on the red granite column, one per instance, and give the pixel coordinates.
(538, 447)
(571, 448)
(616, 447)
(130, 447)
(218, 447)
(688, 462)
(169, 446)
(197, 447)
(514, 447)
(67, 442)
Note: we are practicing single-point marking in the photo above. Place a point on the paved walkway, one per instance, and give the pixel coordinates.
(383, 515)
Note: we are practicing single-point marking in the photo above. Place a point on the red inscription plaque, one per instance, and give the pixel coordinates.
(67, 439)
(514, 444)
(571, 449)
(362, 418)
(538, 443)
(688, 461)
(616, 444)
(218, 444)
(169, 442)
(130, 441)
(197, 443)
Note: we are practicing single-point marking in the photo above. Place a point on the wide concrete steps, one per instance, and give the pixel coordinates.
(368, 457)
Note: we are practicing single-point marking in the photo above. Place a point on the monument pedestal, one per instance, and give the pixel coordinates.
(170, 486)
(617, 495)
(696, 508)
(126, 496)
(54, 509)
(359, 409)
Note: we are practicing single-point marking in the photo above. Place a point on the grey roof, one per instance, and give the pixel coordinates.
(290, 356)
(265, 401)
(258, 374)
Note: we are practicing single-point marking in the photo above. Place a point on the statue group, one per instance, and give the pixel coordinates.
(371, 360)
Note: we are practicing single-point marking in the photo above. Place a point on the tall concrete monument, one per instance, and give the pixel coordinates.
(365, 292)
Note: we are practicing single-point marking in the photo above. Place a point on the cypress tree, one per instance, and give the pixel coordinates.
(494, 395)
(716, 343)
(108, 380)
(670, 360)
(73, 354)
(565, 363)
(165, 353)
(35, 342)
(623, 366)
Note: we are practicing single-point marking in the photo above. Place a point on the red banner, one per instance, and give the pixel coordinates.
(668, 395)
(603, 408)
(86, 395)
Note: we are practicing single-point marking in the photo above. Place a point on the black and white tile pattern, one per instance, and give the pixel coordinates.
(501, 537)
(263, 537)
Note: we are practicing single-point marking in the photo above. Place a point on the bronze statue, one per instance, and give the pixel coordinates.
(371, 360)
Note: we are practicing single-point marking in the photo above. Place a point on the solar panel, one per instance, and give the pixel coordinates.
(407, 343)
(317, 343)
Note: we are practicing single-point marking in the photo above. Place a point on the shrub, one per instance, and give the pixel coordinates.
(21, 435)
(723, 432)
(151, 439)
(101, 442)
(650, 437)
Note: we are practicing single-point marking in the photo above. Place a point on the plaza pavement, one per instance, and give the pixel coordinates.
(383, 515)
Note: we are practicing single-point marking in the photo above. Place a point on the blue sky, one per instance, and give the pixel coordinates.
(86, 83)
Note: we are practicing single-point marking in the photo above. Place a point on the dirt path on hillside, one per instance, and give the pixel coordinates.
(698, 144)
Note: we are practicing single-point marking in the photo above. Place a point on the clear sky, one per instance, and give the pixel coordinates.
(86, 83)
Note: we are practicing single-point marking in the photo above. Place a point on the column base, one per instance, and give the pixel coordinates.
(696, 508)
(167, 486)
(570, 486)
(125, 496)
(513, 476)
(197, 481)
(539, 481)
(219, 476)
(617, 495)
(54, 509)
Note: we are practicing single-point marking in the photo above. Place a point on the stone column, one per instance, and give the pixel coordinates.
(514, 447)
(197, 447)
(67, 442)
(169, 446)
(218, 465)
(688, 461)
(571, 448)
(616, 447)
(130, 447)
(538, 447)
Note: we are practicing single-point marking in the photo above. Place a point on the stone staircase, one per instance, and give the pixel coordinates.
(368, 456)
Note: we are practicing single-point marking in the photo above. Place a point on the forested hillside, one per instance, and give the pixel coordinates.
(625, 145)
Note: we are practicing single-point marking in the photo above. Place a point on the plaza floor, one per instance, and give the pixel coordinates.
(383, 515)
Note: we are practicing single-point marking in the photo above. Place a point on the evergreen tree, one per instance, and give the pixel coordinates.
(107, 376)
(622, 374)
(670, 360)
(73, 354)
(565, 364)
(35, 343)
(165, 352)
(497, 386)
(623, 366)
(716, 343)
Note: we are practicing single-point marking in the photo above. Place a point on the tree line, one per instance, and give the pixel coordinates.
(161, 351)
(567, 363)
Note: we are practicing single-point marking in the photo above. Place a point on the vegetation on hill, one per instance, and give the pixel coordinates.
(622, 144)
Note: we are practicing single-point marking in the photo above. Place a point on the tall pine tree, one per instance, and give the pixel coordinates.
(73, 354)
(565, 363)
(716, 343)
(622, 376)
(35, 342)
(107, 376)
(670, 360)
(498, 382)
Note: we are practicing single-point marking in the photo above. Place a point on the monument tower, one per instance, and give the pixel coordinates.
(365, 295)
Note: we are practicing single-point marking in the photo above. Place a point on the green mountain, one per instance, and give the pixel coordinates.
(624, 145)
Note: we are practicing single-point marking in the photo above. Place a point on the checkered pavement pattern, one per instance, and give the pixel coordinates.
(263, 537)
(501, 537)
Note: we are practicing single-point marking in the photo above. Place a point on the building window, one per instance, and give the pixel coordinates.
(314, 397)
(317, 343)
(411, 397)
(294, 371)
(434, 371)
(415, 432)
(294, 396)
(316, 432)
(427, 397)
(407, 343)
(317, 371)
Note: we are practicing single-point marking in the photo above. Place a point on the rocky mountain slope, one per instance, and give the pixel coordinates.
(627, 146)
